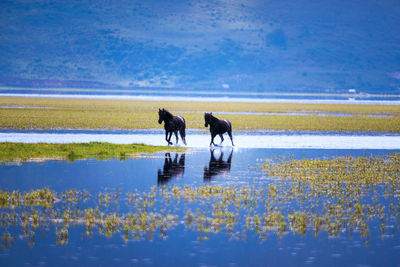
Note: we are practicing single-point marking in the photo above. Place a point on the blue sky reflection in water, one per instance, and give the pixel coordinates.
(182, 246)
(141, 174)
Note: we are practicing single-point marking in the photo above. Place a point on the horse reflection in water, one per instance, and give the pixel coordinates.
(172, 168)
(217, 166)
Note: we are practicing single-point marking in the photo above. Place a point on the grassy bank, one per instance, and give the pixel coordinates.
(46, 113)
(22, 152)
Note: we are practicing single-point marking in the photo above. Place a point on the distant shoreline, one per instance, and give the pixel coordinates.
(135, 91)
(207, 99)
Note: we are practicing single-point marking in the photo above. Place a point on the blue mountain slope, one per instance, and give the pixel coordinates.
(303, 45)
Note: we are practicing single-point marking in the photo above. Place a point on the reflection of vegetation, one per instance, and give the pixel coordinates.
(7, 240)
(74, 151)
(340, 196)
(123, 114)
(62, 236)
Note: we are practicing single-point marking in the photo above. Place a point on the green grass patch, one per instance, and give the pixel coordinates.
(10, 152)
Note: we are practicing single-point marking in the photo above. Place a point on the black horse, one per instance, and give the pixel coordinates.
(218, 127)
(172, 124)
(171, 169)
(217, 166)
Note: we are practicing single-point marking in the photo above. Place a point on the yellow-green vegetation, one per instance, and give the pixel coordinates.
(350, 171)
(72, 151)
(341, 196)
(50, 113)
(338, 194)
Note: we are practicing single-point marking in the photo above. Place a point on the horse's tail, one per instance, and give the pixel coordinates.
(182, 130)
(230, 126)
(230, 132)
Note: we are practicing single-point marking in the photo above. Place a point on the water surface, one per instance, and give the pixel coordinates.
(212, 98)
(202, 140)
(183, 246)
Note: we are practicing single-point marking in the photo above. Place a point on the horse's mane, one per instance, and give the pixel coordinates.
(168, 114)
(212, 117)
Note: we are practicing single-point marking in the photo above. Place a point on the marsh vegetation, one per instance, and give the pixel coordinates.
(11, 152)
(47, 113)
(341, 196)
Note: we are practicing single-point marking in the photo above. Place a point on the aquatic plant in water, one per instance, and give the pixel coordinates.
(339, 196)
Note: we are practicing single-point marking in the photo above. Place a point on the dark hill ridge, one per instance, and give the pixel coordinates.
(41, 83)
(242, 45)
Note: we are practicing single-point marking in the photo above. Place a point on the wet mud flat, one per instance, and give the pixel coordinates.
(222, 206)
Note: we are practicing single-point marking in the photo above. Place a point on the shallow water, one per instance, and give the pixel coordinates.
(208, 98)
(196, 140)
(195, 168)
(143, 173)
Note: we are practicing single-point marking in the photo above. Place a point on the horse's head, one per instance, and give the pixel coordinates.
(160, 115)
(207, 118)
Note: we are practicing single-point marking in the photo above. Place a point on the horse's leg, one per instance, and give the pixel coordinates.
(176, 136)
(212, 139)
(230, 136)
(168, 138)
(222, 138)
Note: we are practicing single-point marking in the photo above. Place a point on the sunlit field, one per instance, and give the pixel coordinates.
(49, 113)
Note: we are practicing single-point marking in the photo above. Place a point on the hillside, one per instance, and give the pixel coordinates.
(307, 46)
